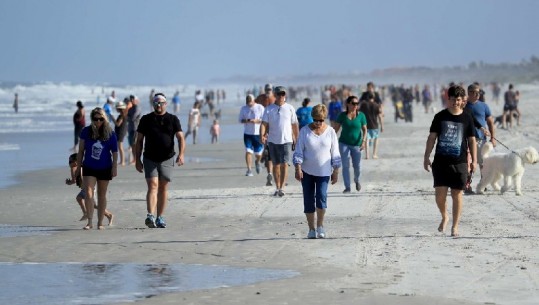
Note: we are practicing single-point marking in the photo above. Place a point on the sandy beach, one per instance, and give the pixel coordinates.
(382, 245)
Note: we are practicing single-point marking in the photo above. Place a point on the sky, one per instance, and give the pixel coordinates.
(140, 42)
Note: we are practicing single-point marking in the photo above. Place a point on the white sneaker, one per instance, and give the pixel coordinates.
(249, 173)
(320, 232)
(312, 234)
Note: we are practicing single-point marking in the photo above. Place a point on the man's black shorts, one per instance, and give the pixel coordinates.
(453, 176)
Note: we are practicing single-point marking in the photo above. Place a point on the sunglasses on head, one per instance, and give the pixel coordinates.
(98, 119)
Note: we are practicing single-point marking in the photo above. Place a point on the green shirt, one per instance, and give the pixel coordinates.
(351, 133)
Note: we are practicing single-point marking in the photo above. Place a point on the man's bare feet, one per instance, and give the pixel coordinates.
(443, 224)
(100, 227)
(454, 232)
(110, 217)
(375, 157)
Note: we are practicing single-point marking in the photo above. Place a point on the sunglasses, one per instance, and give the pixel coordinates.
(354, 104)
(318, 121)
(159, 103)
(98, 119)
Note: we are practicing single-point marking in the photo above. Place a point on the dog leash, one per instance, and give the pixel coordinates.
(504, 145)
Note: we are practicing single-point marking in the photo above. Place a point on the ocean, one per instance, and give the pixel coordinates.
(40, 135)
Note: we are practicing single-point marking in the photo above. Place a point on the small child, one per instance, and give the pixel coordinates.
(215, 130)
(77, 179)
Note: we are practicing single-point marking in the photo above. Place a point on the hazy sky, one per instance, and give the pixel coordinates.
(193, 41)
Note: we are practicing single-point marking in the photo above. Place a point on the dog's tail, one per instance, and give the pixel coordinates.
(486, 149)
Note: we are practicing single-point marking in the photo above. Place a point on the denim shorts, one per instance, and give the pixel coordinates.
(373, 133)
(163, 169)
(280, 153)
(82, 194)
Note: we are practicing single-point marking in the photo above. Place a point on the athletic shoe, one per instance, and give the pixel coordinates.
(346, 191)
(257, 167)
(312, 234)
(160, 222)
(358, 186)
(150, 221)
(320, 232)
(281, 193)
(269, 179)
(276, 193)
(249, 173)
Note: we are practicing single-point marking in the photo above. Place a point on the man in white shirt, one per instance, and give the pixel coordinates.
(251, 117)
(280, 130)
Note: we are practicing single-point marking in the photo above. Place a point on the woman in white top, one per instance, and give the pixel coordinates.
(316, 159)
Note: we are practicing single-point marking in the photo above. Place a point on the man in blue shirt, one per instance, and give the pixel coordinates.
(481, 113)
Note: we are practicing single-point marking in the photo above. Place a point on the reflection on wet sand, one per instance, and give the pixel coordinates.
(15, 230)
(103, 283)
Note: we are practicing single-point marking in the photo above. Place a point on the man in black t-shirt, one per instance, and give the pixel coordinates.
(452, 130)
(156, 131)
(375, 124)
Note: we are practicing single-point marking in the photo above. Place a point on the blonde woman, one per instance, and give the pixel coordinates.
(98, 156)
(317, 161)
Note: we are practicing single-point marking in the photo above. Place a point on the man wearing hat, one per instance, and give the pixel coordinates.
(267, 97)
(279, 129)
(156, 132)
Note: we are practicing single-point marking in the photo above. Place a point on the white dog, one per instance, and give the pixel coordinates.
(507, 165)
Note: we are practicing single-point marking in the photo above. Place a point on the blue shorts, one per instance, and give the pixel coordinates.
(373, 133)
(162, 170)
(82, 194)
(253, 144)
(280, 153)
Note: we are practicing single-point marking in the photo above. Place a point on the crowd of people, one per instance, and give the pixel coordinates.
(318, 140)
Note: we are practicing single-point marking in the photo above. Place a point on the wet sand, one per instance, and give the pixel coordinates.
(382, 247)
